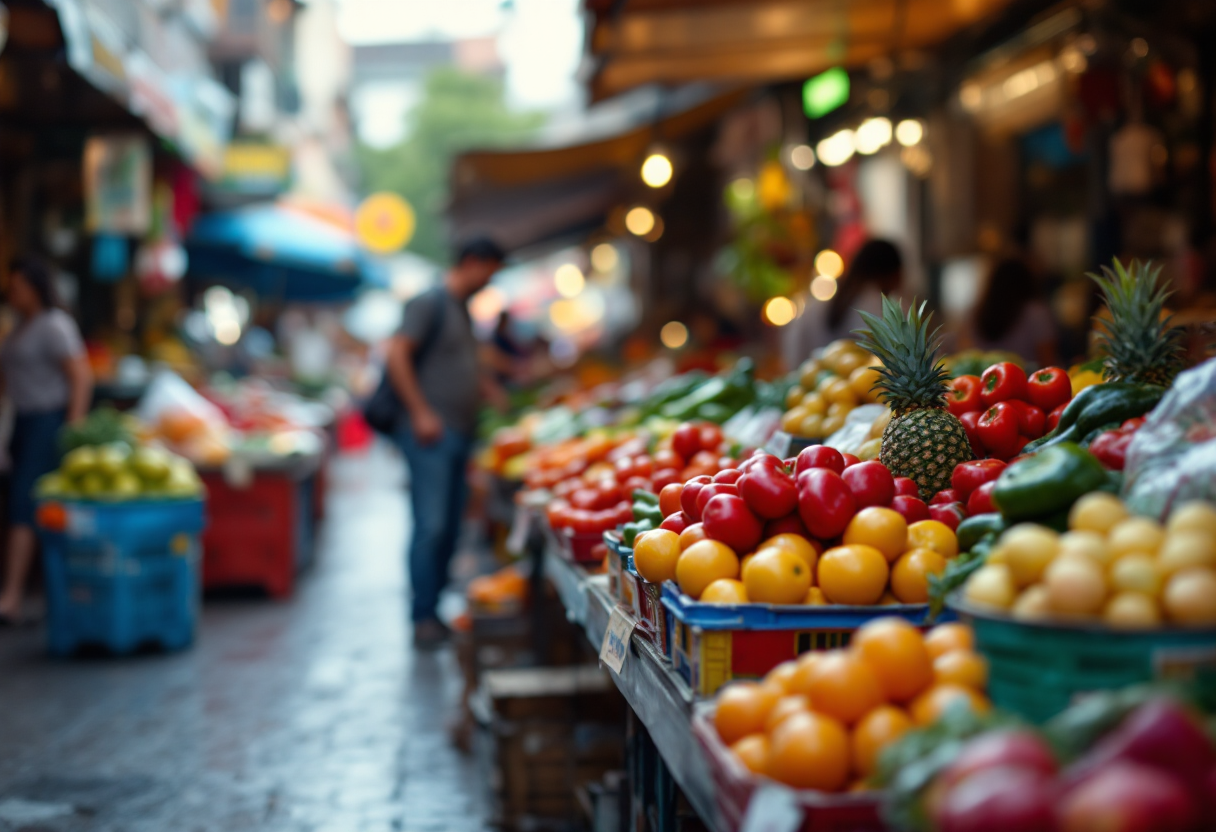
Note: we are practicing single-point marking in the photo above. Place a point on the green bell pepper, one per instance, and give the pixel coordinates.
(1047, 483)
(975, 527)
(1100, 405)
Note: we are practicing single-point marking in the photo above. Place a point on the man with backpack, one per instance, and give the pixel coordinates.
(432, 369)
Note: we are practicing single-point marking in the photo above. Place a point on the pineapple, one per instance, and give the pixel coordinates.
(923, 440)
(1139, 343)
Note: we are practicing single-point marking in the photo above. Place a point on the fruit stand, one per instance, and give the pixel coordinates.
(784, 628)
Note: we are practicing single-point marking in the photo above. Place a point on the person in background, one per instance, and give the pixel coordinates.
(1012, 317)
(433, 366)
(45, 372)
(876, 270)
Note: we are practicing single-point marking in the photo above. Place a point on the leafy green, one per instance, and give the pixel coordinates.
(101, 427)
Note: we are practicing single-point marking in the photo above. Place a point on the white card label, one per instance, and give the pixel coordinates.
(772, 808)
(616, 639)
(518, 536)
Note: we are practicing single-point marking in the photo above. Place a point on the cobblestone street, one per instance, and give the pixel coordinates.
(312, 715)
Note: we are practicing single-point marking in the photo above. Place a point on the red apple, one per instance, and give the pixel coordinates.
(1128, 797)
(1001, 799)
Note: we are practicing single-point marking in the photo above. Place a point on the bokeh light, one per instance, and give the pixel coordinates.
(909, 132)
(604, 257)
(780, 310)
(640, 221)
(823, 288)
(802, 157)
(568, 279)
(829, 264)
(836, 149)
(873, 135)
(656, 170)
(487, 304)
(673, 335)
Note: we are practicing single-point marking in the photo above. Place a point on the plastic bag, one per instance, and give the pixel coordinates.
(1172, 457)
(184, 420)
(856, 430)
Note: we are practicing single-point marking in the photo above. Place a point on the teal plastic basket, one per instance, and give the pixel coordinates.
(1039, 669)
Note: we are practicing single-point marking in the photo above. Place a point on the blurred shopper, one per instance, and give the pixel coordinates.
(1012, 317)
(876, 270)
(46, 375)
(432, 363)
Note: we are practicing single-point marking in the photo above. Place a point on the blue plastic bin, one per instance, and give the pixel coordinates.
(123, 575)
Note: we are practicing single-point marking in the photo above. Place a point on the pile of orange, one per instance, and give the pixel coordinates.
(821, 721)
(880, 560)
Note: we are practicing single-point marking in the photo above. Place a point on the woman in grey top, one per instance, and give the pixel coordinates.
(45, 373)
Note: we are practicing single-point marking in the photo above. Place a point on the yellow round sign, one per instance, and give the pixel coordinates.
(384, 222)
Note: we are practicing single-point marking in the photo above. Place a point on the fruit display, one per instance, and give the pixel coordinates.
(923, 441)
(831, 383)
(1136, 760)
(1137, 342)
(1111, 568)
(118, 472)
(818, 531)
(1003, 409)
(822, 721)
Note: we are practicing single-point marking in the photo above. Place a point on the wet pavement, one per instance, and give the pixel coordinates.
(312, 715)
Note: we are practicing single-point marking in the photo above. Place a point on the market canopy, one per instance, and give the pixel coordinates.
(637, 42)
(563, 189)
(281, 252)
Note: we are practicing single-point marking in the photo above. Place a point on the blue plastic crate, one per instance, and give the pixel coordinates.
(123, 575)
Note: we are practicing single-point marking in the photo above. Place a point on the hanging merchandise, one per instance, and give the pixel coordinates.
(110, 259)
(118, 184)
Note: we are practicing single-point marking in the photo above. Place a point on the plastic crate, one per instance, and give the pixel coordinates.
(621, 587)
(734, 786)
(648, 610)
(123, 575)
(260, 535)
(1039, 669)
(712, 644)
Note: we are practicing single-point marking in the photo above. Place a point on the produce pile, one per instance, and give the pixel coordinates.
(822, 721)
(116, 472)
(831, 384)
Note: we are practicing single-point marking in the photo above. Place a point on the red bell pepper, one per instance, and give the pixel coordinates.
(1049, 388)
(1031, 421)
(1002, 382)
(998, 429)
(1111, 448)
(964, 395)
(971, 423)
(969, 476)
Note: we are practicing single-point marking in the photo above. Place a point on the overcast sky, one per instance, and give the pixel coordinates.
(540, 40)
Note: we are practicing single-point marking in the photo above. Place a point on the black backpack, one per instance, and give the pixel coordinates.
(384, 409)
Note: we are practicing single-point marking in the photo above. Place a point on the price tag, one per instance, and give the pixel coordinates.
(616, 639)
(517, 538)
(772, 809)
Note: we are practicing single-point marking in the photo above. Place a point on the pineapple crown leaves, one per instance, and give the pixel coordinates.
(1138, 342)
(910, 376)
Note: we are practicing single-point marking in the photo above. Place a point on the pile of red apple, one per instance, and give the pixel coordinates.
(814, 494)
(1003, 409)
(1155, 772)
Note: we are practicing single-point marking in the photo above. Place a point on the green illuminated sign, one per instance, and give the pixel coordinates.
(825, 92)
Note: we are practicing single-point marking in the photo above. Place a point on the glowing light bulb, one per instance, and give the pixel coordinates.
(656, 170)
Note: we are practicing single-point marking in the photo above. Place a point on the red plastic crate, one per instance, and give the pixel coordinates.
(734, 786)
(259, 535)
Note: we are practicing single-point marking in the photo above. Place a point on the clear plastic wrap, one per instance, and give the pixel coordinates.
(1172, 458)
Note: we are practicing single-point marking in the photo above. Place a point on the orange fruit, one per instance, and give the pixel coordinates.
(808, 550)
(693, 534)
(782, 675)
(877, 729)
(742, 708)
(810, 751)
(910, 575)
(800, 682)
(777, 576)
(843, 686)
(930, 705)
(961, 667)
(883, 528)
(703, 563)
(946, 637)
(815, 596)
(655, 555)
(725, 591)
(853, 574)
(896, 653)
(787, 706)
(935, 535)
(752, 751)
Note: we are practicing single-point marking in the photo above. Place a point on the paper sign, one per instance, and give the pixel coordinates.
(616, 639)
(772, 809)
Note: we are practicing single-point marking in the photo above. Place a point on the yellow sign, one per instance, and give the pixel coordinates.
(384, 222)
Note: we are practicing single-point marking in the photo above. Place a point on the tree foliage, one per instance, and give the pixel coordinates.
(458, 111)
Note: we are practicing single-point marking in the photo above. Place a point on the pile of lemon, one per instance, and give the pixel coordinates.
(1111, 566)
(830, 384)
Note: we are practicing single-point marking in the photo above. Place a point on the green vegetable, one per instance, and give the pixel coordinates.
(645, 497)
(1048, 482)
(732, 390)
(630, 531)
(1100, 405)
(103, 426)
(714, 412)
(957, 571)
(971, 530)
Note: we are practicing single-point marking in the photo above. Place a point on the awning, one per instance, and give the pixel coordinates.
(281, 253)
(532, 196)
(637, 42)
